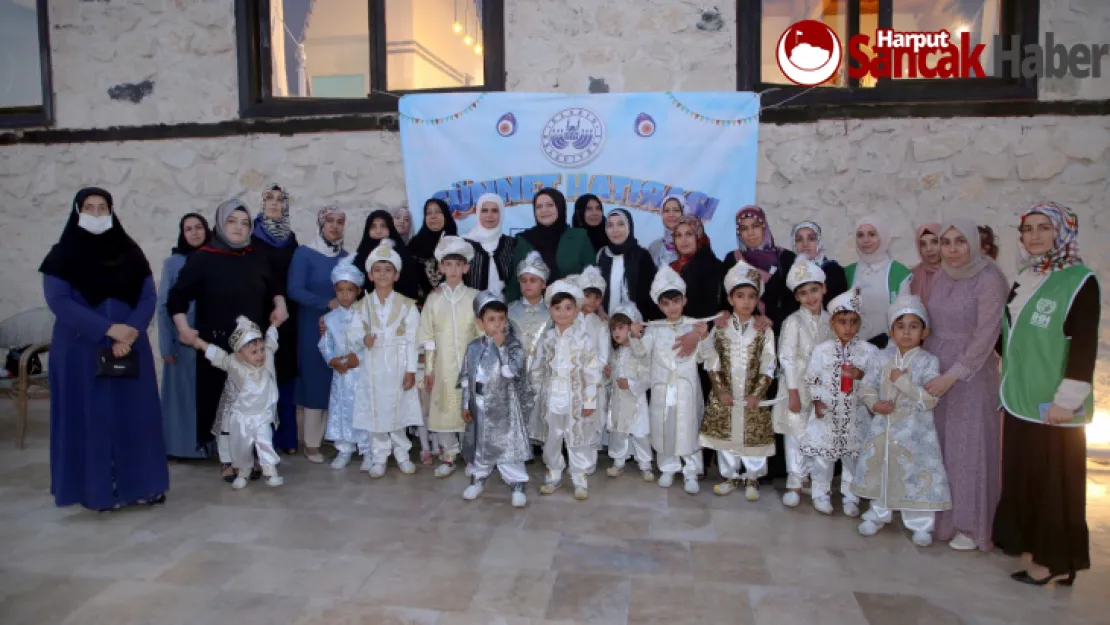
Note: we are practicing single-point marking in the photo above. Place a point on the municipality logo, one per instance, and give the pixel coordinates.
(573, 137)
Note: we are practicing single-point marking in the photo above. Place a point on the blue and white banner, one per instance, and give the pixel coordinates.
(630, 149)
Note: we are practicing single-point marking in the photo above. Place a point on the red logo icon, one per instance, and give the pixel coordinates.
(808, 53)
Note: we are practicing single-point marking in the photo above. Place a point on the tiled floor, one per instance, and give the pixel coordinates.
(338, 548)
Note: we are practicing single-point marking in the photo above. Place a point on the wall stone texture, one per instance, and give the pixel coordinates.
(834, 171)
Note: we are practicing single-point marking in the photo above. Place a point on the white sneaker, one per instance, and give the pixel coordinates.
(647, 475)
(549, 487)
(791, 499)
(851, 510)
(367, 463)
(922, 539)
(473, 491)
(407, 467)
(869, 528)
(443, 470)
(580, 492)
(666, 479)
(275, 480)
(823, 505)
(376, 471)
(341, 460)
(724, 488)
(962, 542)
(691, 486)
(240, 482)
(751, 491)
(520, 499)
(616, 470)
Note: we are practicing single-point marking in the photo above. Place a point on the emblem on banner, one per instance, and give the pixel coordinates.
(573, 137)
(506, 126)
(645, 125)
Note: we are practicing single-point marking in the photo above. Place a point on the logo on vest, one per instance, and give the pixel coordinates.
(1043, 316)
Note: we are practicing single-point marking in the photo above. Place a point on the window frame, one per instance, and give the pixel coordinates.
(43, 114)
(1018, 17)
(254, 57)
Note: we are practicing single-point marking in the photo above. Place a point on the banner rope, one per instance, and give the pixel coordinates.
(442, 120)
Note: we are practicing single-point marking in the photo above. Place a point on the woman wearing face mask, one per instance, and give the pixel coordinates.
(402, 218)
(663, 250)
(589, 215)
(881, 278)
(179, 368)
(438, 223)
(413, 282)
(928, 249)
(757, 248)
(807, 240)
(310, 287)
(225, 279)
(1049, 348)
(627, 267)
(491, 266)
(965, 317)
(565, 250)
(106, 446)
(273, 236)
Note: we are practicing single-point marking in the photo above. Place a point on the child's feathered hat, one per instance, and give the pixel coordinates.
(245, 331)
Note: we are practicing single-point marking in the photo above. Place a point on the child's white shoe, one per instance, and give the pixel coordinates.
(444, 470)
(666, 479)
(367, 463)
(922, 539)
(550, 486)
(851, 510)
(581, 493)
(647, 475)
(869, 528)
(520, 499)
(407, 467)
(376, 471)
(823, 505)
(962, 542)
(791, 499)
(240, 481)
(616, 470)
(751, 490)
(477, 485)
(725, 488)
(341, 460)
(691, 486)
(275, 480)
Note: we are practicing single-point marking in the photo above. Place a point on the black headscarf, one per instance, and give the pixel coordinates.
(423, 245)
(545, 239)
(183, 246)
(408, 283)
(102, 266)
(578, 220)
(637, 262)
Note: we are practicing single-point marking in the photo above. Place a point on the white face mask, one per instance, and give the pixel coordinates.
(94, 224)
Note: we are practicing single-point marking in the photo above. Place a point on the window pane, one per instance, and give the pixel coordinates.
(320, 48)
(20, 65)
(424, 51)
(778, 15)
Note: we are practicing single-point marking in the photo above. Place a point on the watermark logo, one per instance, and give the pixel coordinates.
(939, 54)
(808, 53)
(573, 137)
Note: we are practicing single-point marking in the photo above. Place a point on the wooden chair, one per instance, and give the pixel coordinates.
(21, 386)
(31, 327)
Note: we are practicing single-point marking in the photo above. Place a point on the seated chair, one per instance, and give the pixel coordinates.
(34, 328)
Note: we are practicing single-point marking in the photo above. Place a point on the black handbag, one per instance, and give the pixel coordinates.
(108, 366)
(34, 367)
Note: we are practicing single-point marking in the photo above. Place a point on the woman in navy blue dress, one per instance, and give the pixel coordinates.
(106, 447)
(311, 288)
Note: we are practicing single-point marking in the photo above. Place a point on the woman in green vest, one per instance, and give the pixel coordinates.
(879, 276)
(1049, 346)
(565, 250)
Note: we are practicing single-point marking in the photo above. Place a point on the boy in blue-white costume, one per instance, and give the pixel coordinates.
(342, 348)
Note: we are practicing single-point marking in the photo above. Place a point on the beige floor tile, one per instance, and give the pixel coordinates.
(590, 598)
(514, 593)
(362, 614)
(618, 556)
(520, 549)
(304, 573)
(141, 603)
(420, 583)
(30, 599)
(682, 524)
(728, 563)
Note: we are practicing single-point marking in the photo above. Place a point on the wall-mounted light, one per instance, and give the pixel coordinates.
(467, 39)
(478, 49)
(456, 27)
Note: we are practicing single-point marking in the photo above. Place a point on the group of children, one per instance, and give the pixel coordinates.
(550, 370)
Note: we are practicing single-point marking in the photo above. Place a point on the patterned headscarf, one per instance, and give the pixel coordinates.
(821, 258)
(766, 255)
(699, 233)
(274, 231)
(320, 243)
(1065, 246)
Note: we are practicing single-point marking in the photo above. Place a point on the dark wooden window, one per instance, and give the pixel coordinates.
(762, 22)
(326, 57)
(26, 97)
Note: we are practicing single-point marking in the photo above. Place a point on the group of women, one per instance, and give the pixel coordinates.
(110, 435)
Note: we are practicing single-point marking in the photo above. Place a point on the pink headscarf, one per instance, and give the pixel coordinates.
(924, 272)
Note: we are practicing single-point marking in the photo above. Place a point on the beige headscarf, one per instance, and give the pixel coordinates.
(880, 225)
(978, 262)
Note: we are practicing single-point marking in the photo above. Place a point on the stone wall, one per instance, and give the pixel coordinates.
(915, 170)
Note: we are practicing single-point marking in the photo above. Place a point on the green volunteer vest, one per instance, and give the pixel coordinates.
(896, 274)
(1035, 349)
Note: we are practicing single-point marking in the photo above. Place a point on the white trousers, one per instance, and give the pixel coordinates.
(384, 443)
(619, 442)
(362, 445)
(583, 459)
(797, 465)
(449, 443)
(730, 465)
(821, 471)
(314, 425)
(512, 473)
(916, 520)
(237, 446)
(689, 465)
